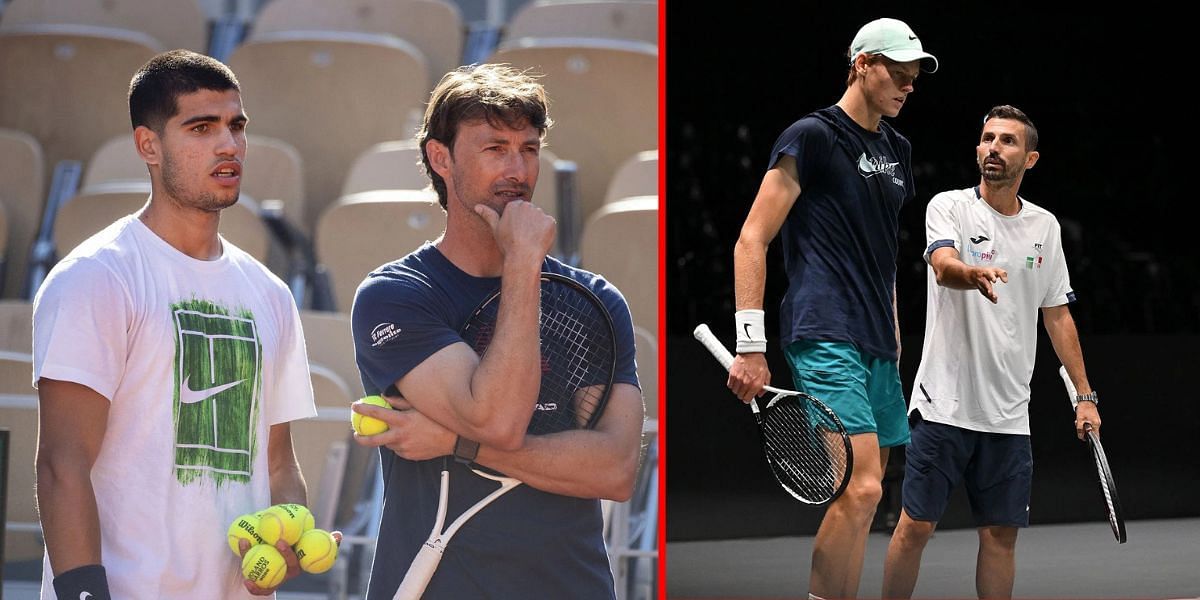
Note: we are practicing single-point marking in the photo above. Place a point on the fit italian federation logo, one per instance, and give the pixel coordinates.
(218, 379)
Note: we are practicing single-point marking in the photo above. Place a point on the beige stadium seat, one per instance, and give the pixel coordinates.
(637, 176)
(603, 99)
(98, 206)
(16, 326)
(66, 85)
(19, 414)
(21, 185)
(363, 231)
(620, 242)
(330, 95)
(318, 438)
(433, 26)
(272, 172)
(647, 360)
(610, 19)
(173, 23)
(330, 343)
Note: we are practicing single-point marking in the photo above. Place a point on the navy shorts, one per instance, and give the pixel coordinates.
(996, 467)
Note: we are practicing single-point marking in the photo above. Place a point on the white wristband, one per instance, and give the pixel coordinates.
(751, 335)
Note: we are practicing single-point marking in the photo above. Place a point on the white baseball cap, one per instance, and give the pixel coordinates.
(893, 39)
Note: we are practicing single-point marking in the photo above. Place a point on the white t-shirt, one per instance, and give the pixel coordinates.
(198, 359)
(978, 357)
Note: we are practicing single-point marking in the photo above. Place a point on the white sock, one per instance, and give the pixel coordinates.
(812, 596)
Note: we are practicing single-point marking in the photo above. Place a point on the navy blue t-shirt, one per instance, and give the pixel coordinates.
(527, 544)
(840, 238)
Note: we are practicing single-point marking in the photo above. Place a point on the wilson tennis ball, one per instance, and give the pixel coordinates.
(365, 425)
(244, 527)
(264, 566)
(316, 550)
(283, 522)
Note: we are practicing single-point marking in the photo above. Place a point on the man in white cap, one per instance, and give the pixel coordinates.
(836, 181)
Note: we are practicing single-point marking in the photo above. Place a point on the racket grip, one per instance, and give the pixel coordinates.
(419, 573)
(1071, 392)
(710, 341)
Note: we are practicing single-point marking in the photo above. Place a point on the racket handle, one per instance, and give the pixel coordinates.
(419, 573)
(1071, 393)
(710, 341)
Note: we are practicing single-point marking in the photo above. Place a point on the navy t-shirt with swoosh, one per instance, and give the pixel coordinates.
(527, 544)
(840, 238)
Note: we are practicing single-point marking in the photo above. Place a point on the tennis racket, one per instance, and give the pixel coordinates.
(1108, 485)
(805, 443)
(578, 355)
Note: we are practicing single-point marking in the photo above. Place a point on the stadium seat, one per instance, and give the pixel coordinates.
(330, 343)
(172, 23)
(365, 230)
(620, 242)
(321, 435)
(603, 99)
(21, 192)
(433, 26)
(45, 72)
(637, 176)
(635, 21)
(19, 414)
(96, 207)
(331, 95)
(16, 326)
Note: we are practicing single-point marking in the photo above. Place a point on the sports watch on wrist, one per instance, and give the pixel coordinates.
(1088, 397)
(465, 450)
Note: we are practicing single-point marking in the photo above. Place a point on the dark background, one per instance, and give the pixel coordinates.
(1112, 94)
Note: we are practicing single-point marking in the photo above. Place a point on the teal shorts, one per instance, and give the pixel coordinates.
(863, 390)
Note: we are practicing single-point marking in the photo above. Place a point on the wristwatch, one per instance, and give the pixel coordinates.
(465, 450)
(1088, 397)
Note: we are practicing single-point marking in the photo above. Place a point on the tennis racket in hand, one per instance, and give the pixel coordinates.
(805, 443)
(1108, 485)
(578, 356)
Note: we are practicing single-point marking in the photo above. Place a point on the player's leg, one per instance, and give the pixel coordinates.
(999, 482)
(839, 546)
(934, 462)
(903, 562)
(996, 565)
(835, 373)
(860, 543)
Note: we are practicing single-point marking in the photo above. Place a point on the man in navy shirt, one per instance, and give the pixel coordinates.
(480, 141)
(836, 181)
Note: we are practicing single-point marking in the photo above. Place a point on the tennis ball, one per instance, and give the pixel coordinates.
(283, 522)
(317, 550)
(264, 566)
(365, 425)
(244, 527)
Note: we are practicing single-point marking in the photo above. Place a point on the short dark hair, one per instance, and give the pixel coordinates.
(1005, 111)
(499, 94)
(156, 87)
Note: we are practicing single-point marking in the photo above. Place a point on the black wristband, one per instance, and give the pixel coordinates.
(465, 450)
(88, 582)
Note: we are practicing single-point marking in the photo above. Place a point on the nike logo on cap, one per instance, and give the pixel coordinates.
(85, 595)
(189, 396)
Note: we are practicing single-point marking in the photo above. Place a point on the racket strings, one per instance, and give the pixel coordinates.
(578, 360)
(807, 455)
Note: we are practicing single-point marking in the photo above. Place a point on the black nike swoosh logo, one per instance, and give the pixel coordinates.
(912, 37)
(980, 239)
(747, 327)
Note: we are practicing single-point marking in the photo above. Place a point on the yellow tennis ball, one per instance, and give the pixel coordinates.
(264, 566)
(317, 551)
(282, 522)
(365, 425)
(244, 527)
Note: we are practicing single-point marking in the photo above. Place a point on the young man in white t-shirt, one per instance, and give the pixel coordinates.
(971, 395)
(169, 364)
